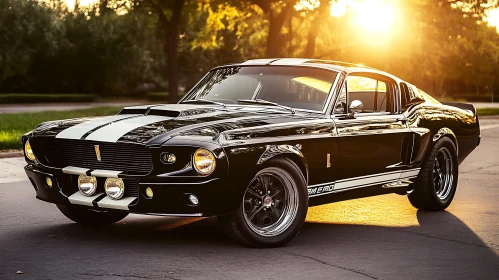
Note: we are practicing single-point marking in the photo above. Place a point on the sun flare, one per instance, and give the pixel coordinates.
(375, 16)
(493, 18)
(370, 15)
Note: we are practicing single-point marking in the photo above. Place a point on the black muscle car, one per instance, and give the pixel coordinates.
(256, 144)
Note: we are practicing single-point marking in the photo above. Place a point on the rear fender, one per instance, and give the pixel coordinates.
(446, 132)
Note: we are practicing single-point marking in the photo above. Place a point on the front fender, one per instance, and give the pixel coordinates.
(290, 151)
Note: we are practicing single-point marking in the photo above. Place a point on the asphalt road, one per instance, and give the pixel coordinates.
(374, 238)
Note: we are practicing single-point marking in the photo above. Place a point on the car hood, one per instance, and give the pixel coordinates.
(157, 124)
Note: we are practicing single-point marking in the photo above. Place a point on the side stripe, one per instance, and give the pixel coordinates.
(361, 182)
(410, 173)
(79, 130)
(366, 181)
(114, 131)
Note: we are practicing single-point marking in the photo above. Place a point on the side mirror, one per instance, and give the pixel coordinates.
(355, 107)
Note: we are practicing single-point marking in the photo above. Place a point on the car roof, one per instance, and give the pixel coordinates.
(339, 66)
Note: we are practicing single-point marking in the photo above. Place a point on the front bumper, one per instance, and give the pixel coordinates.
(216, 195)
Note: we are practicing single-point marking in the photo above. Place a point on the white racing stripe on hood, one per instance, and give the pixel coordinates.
(114, 131)
(77, 131)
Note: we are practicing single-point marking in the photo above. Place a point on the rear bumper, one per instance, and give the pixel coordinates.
(216, 195)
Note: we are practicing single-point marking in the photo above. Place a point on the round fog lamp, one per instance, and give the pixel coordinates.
(115, 188)
(87, 184)
(49, 182)
(149, 192)
(193, 199)
(28, 151)
(204, 161)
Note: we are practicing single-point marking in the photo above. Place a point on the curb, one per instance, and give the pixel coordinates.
(12, 154)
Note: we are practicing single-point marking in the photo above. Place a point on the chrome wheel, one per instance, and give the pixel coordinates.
(443, 173)
(270, 203)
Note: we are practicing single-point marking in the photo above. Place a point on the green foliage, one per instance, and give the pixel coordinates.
(488, 112)
(12, 98)
(157, 96)
(441, 46)
(49, 49)
(13, 126)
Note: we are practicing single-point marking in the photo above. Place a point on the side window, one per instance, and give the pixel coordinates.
(341, 104)
(406, 97)
(372, 93)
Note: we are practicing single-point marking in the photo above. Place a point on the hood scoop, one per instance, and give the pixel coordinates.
(169, 110)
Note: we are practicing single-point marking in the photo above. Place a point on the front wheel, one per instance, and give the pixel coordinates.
(437, 181)
(90, 217)
(273, 208)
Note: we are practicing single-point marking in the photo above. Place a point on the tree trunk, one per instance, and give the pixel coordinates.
(310, 48)
(172, 51)
(314, 30)
(274, 39)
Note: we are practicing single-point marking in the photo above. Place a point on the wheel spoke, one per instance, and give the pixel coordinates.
(275, 212)
(265, 183)
(252, 193)
(253, 213)
(276, 193)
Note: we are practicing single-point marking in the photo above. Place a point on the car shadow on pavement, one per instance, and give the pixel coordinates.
(441, 247)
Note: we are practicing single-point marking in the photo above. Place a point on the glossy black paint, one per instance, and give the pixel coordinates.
(244, 139)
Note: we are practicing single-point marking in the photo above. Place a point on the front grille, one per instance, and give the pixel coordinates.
(126, 157)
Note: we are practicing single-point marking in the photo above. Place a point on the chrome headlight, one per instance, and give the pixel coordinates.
(204, 161)
(28, 151)
(87, 185)
(115, 188)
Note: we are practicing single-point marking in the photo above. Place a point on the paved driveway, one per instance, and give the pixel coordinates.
(380, 237)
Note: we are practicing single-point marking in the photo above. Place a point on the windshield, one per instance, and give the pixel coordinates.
(297, 87)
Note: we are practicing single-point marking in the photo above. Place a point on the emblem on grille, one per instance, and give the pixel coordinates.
(97, 152)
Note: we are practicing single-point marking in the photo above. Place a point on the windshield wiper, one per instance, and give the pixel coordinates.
(265, 102)
(202, 100)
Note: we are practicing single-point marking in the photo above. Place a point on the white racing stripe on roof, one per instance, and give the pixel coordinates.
(77, 131)
(114, 131)
(290, 61)
(259, 61)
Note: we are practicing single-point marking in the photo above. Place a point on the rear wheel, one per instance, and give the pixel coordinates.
(437, 181)
(273, 208)
(90, 217)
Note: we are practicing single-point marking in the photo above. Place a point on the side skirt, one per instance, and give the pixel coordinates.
(354, 194)
(399, 182)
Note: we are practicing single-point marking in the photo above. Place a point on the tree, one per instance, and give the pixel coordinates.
(170, 18)
(276, 11)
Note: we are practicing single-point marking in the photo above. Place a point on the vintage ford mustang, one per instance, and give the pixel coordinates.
(256, 144)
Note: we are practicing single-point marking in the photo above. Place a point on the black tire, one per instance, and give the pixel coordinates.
(90, 217)
(425, 195)
(240, 229)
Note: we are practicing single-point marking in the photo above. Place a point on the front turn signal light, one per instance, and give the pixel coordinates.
(204, 161)
(28, 151)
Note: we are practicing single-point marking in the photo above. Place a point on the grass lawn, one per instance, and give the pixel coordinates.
(13, 126)
(488, 111)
